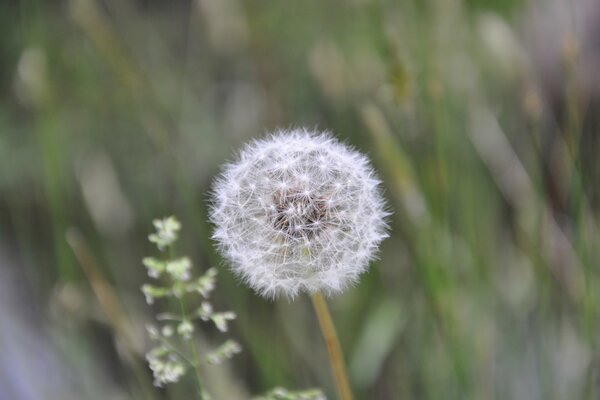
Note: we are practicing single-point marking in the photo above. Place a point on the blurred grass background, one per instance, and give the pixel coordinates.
(481, 116)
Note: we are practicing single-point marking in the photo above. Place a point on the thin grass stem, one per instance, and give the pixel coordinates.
(195, 359)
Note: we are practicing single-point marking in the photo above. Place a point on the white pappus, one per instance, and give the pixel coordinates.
(298, 212)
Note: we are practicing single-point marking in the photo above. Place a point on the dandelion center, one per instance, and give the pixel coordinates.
(298, 214)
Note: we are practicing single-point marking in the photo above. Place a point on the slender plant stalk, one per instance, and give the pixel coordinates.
(192, 344)
(336, 358)
(195, 358)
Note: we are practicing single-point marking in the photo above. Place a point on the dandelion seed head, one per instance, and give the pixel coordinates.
(298, 212)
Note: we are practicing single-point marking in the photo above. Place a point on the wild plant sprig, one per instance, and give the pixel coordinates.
(175, 351)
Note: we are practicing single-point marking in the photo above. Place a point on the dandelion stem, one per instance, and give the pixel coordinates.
(336, 358)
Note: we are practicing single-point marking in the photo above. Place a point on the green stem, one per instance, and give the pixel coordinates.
(195, 359)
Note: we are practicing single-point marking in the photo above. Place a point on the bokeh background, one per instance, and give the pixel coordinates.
(480, 115)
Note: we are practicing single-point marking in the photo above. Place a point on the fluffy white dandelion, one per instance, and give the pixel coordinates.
(298, 212)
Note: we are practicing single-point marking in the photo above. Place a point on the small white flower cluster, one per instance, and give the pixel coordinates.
(166, 365)
(284, 394)
(224, 352)
(298, 211)
(165, 360)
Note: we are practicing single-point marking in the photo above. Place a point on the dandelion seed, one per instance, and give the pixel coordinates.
(298, 212)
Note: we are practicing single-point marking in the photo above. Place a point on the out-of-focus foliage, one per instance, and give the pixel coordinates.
(114, 112)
